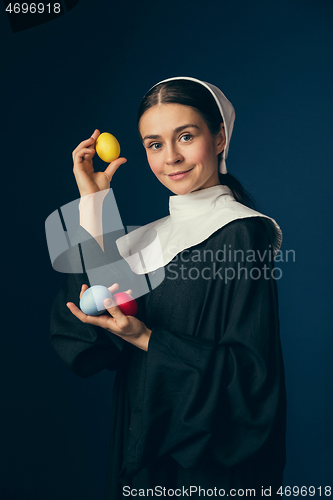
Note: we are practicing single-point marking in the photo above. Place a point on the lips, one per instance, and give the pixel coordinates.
(179, 172)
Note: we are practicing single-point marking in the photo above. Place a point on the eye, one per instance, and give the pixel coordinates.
(188, 137)
(152, 146)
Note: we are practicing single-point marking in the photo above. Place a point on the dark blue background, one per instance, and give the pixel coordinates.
(89, 69)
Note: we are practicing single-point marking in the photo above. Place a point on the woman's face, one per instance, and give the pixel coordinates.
(177, 139)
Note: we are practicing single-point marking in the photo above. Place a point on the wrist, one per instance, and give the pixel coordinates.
(91, 210)
(92, 202)
(143, 340)
(148, 334)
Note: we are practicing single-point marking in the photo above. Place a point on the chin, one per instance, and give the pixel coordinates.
(180, 189)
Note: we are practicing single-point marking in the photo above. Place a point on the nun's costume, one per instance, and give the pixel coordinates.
(205, 406)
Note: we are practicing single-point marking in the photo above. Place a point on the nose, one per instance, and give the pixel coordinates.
(173, 155)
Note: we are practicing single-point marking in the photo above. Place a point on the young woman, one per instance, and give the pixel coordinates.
(199, 398)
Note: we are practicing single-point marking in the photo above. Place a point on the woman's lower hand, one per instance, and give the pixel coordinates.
(129, 328)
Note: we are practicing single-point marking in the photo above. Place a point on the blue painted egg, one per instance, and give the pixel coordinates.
(92, 300)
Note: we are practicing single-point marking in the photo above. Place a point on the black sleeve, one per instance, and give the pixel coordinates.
(222, 399)
(85, 349)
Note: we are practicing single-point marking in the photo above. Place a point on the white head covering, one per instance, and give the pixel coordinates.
(194, 216)
(226, 109)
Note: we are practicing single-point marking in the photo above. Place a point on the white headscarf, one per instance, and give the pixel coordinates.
(194, 216)
(225, 107)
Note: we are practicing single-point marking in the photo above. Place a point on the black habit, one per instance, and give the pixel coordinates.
(205, 406)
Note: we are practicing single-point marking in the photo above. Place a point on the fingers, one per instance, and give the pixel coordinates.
(89, 155)
(87, 145)
(95, 134)
(104, 321)
(114, 323)
(83, 289)
(77, 312)
(113, 166)
(88, 142)
(113, 288)
(120, 318)
(109, 304)
(83, 154)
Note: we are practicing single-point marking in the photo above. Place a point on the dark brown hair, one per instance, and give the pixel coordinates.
(195, 95)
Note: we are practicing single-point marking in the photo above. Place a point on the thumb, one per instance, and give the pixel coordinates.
(112, 308)
(113, 166)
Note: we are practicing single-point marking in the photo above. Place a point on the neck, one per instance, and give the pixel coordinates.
(214, 180)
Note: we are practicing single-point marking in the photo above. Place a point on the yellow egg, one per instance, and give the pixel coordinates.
(107, 147)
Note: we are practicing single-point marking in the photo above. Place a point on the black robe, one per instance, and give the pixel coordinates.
(205, 406)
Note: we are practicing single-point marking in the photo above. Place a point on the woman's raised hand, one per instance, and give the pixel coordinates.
(89, 181)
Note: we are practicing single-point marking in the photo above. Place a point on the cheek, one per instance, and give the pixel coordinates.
(155, 164)
(202, 153)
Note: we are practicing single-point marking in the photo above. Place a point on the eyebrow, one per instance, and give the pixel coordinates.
(178, 129)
